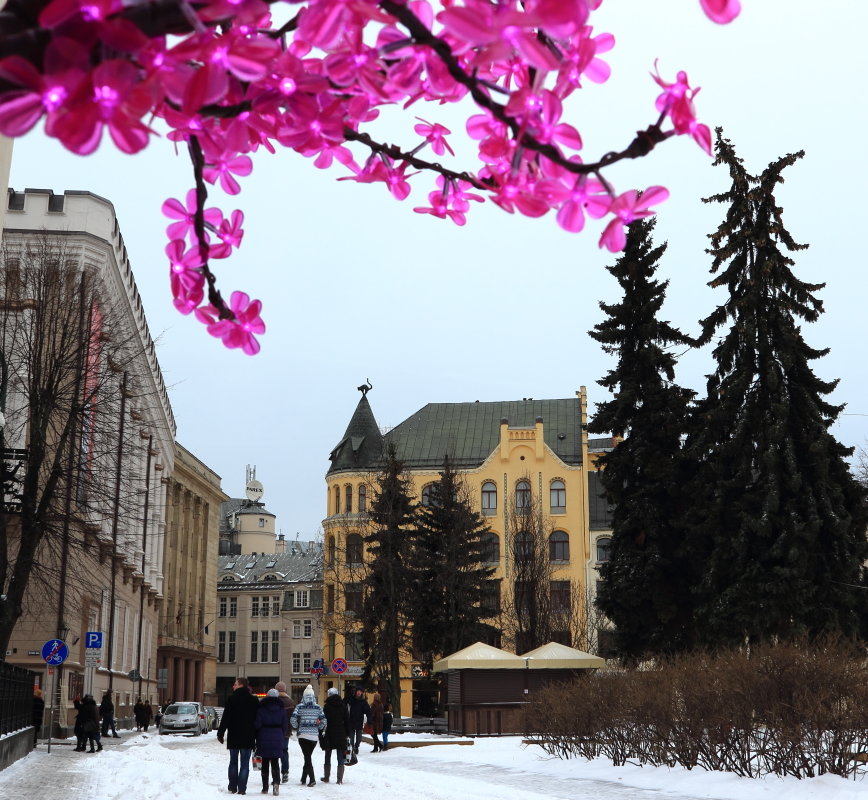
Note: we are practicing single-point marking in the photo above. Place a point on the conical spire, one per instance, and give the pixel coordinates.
(361, 447)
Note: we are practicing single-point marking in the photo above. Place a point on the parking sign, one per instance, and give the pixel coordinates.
(93, 640)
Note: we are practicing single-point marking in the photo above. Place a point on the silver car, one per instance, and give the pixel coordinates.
(184, 717)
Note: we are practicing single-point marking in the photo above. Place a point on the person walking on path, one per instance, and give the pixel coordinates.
(271, 727)
(308, 719)
(376, 720)
(336, 734)
(147, 715)
(89, 715)
(107, 713)
(38, 711)
(387, 724)
(359, 711)
(139, 713)
(239, 719)
(289, 706)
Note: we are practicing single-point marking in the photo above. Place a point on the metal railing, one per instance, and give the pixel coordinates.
(16, 698)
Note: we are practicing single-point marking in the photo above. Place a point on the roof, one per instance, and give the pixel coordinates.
(559, 656)
(479, 656)
(239, 505)
(361, 447)
(303, 565)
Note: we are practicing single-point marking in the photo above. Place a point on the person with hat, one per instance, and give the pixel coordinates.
(336, 734)
(308, 719)
(271, 727)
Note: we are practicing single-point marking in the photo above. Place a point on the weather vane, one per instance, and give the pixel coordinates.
(365, 387)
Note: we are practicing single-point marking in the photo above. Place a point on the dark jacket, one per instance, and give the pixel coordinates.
(88, 716)
(271, 728)
(239, 718)
(337, 723)
(387, 721)
(376, 718)
(359, 709)
(107, 708)
(38, 711)
(289, 706)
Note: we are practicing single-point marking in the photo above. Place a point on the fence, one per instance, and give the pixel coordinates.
(16, 698)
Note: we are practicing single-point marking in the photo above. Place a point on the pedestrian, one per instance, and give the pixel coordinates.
(89, 715)
(38, 711)
(289, 706)
(336, 734)
(239, 719)
(107, 714)
(271, 725)
(147, 715)
(80, 737)
(359, 712)
(387, 724)
(139, 713)
(308, 719)
(376, 720)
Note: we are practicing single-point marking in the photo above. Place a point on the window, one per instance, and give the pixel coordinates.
(230, 656)
(221, 645)
(223, 607)
(363, 498)
(490, 548)
(305, 662)
(354, 550)
(522, 497)
(354, 647)
(264, 652)
(302, 598)
(523, 593)
(558, 497)
(332, 551)
(560, 596)
(296, 629)
(489, 499)
(296, 662)
(275, 606)
(353, 598)
(254, 647)
(348, 499)
(254, 607)
(265, 609)
(332, 643)
(428, 494)
(491, 596)
(330, 598)
(233, 607)
(337, 499)
(308, 628)
(604, 549)
(559, 546)
(523, 547)
(275, 646)
(227, 579)
(261, 522)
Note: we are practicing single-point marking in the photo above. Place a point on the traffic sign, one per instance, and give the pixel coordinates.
(54, 652)
(93, 640)
(134, 675)
(339, 666)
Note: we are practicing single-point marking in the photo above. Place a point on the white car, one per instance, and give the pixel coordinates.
(184, 717)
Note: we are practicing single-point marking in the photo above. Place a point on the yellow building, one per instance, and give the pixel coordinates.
(526, 464)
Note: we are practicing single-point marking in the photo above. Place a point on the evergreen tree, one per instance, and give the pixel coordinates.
(645, 590)
(780, 516)
(449, 577)
(387, 580)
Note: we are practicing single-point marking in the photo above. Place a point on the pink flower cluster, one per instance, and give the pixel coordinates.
(230, 77)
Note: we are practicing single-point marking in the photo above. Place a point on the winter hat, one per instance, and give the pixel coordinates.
(332, 692)
(273, 693)
(309, 695)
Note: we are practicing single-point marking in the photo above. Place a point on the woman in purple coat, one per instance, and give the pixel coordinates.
(271, 730)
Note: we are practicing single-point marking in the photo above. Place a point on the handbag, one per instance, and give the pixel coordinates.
(323, 744)
(368, 728)
(349, 756)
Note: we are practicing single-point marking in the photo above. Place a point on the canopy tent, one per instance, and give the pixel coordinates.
(479, 656)
(559, 656)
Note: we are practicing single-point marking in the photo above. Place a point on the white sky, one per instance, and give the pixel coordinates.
(357, 286)
(187, 768)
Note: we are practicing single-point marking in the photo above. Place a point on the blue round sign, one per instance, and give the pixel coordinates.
(55, 652)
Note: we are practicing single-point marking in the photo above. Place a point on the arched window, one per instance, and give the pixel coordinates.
(604, 549)
(363, 498)
(227, 579)
(348, 499)
(337, 499)
(490, 548)
(558, 497)
(489, 499)
(559, 546)
(332, 551)
(354, 549)
(429, 495)
(522, 497)
(523, 547)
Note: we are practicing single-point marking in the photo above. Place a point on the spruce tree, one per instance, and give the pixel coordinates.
(645, 588)
(449, 577)
(387, 580)
(779, 514)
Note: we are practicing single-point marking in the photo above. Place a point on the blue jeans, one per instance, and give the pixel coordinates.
(238, 775)
(284, 757)
(339, 754)
(385, 738)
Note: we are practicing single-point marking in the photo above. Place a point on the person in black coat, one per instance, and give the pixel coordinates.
(359, 711)
(337, 732)
(38, 711)
(271, 725)
(107, 712)
(88, 717)
(239, 719)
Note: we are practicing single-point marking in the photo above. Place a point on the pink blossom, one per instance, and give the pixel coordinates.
(676, 101)
(435, 135)
(627, 208)
(185, 273)
(451, 200)
(224, 168)
(185, 214)
(240, 332)
(721, 11)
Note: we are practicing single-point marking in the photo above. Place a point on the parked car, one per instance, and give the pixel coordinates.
(184, 717)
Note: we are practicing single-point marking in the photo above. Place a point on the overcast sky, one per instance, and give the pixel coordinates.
(357, 286)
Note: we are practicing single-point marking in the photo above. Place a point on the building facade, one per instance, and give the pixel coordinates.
(186, 651)
(518, 459)
(269, 618)
(100, 566)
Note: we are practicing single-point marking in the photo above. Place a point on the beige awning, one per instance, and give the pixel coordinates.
(479, 656)
(559, 656)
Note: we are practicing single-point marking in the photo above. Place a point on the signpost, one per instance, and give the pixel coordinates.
(54, 653)
(92, 656)
(339, 667)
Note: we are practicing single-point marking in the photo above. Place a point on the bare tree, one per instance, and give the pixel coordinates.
(65, 351)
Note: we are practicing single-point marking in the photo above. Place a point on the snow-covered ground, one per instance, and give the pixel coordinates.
(150, 767)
